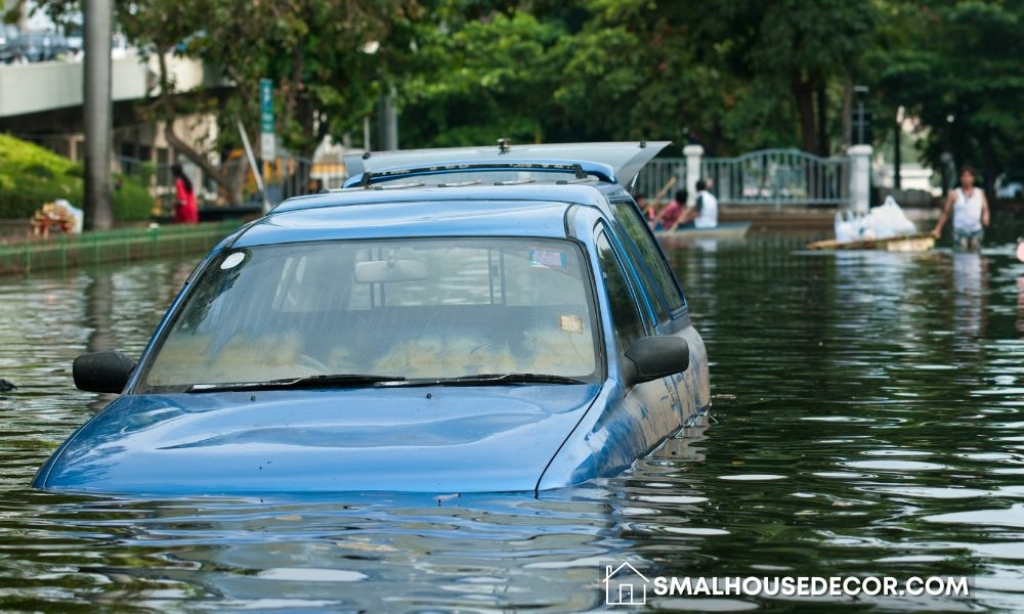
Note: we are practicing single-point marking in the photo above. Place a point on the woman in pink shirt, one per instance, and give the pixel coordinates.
(185, 209)
(670, 215)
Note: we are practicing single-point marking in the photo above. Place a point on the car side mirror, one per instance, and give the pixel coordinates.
(102, 371)
(650, 358)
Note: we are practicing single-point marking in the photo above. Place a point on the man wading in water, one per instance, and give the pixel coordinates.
(970, 213)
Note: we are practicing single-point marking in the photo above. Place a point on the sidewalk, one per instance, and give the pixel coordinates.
(34, 254)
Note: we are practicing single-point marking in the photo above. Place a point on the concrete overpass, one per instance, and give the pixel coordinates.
(42, 102)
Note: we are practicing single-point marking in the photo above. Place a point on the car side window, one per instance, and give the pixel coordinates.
(642, 273)
(638, 231)
(628, 324)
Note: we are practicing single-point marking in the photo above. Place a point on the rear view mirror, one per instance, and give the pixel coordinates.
(390, 270)
(652, 357)
(102, 371)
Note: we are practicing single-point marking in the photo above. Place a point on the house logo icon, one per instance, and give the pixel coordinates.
(624, 585)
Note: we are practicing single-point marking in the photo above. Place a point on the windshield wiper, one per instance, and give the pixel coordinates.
(312, 381)
(490, 379)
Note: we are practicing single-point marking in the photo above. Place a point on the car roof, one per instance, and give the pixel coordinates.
(536, 210)
(614, 162)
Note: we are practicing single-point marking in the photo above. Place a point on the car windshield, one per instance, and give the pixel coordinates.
(404, 309)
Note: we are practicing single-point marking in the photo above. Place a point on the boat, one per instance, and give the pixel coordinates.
(726, 230)
(907, 243)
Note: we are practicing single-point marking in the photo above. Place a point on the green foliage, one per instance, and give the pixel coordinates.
(476, 81)
(39, 170)
(31, 176)
(957, 67)
(734, 75)
(132, 201)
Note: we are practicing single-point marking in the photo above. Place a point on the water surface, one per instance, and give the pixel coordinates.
(867, 420)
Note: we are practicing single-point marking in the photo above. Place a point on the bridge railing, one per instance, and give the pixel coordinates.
(780, 177)
(659, 175)
(775, 177)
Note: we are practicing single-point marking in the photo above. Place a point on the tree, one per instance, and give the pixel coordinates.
(803, 47)
(310, 48)
(469, 72)
(957, 67)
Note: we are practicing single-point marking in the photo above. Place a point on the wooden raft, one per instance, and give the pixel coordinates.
(910, 243)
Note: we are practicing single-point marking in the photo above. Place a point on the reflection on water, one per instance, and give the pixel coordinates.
(868, 421)
(1020, 305)
(970, 285)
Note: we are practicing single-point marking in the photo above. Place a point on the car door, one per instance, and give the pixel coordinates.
(653, 405)
(667, 306)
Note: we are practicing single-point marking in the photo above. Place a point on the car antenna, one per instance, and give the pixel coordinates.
(503, 145)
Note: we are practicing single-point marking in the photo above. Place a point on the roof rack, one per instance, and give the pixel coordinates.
(620, 161)
(580, 171)
(398, 186)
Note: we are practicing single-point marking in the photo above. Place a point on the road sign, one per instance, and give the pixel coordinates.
(268, 142)
(266, 105)
(268, 146)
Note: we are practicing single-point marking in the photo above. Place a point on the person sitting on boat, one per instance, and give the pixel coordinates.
(670, 216)
(970, 213)
(704, 212)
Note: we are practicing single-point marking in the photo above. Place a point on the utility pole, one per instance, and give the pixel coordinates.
(388, 121)
(98, 206)
(896, 156)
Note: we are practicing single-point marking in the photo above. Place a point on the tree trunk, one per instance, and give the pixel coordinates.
(821, 96)
(847, 112)
(223, 177)
(803, 90)
(220, 175)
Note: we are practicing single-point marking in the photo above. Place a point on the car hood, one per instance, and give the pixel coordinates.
(436, 439)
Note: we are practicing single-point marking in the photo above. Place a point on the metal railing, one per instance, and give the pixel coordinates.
(775, 177)
(779, 177)
(657, 175)
(287, 176)
(768, 177)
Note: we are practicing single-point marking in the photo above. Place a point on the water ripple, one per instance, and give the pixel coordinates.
(867, 421)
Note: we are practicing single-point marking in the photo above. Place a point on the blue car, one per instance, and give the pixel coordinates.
(458, 321)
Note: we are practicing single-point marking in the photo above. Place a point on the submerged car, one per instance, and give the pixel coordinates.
(475, 321)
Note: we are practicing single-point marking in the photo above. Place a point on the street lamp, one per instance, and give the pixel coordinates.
(387, 115)
(862, 116)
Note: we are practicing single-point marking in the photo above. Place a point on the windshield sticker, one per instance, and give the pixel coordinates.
(233, 260)
(547, 258)
(570, 323)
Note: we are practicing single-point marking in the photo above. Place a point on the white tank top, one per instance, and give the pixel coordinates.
(708, 216)
(967, 211)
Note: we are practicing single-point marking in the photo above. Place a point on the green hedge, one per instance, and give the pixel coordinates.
(131, 200)
(31, 176)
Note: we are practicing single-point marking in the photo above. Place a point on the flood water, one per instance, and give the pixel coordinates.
(868, 419)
